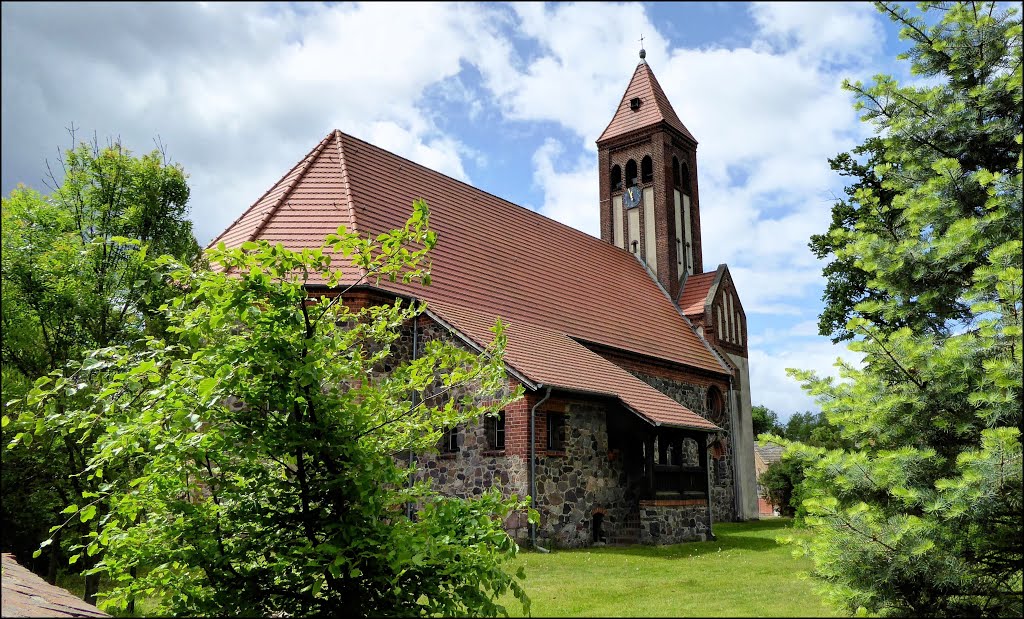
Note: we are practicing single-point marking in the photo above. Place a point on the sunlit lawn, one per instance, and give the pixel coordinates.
(744, 573)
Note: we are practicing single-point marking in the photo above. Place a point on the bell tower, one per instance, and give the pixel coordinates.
(647, 164)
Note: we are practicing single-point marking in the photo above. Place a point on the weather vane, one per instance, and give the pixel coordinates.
(643, 52)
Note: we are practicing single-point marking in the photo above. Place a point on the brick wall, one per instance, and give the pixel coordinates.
(661, 144)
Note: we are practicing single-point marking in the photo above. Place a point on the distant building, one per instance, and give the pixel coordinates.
(763, 458)
(633, 358)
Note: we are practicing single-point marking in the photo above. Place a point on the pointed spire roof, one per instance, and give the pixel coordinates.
(654, 107)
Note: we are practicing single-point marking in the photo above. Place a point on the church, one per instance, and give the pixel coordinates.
(636, 421)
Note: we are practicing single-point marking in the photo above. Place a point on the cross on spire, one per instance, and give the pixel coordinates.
(643, 52)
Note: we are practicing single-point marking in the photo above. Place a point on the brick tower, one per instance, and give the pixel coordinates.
(647, 163)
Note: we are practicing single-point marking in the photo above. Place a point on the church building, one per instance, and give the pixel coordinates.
(636, 423)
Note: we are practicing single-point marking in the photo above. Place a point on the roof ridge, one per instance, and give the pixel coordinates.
(313, 156)
(585, 235)
(307, 160)
(346, 192)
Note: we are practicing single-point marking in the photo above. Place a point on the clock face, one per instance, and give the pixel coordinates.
(631, 197)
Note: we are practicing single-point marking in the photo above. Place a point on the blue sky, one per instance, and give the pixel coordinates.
(509, 97)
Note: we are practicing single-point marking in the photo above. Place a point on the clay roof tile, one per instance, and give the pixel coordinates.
(654, 107)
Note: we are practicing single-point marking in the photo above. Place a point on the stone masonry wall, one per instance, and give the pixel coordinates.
(576, 484)
(671, 522)
(694, 397)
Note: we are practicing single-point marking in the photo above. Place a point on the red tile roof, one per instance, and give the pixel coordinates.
(492, 256)
(553, 359)
(695, 293)
(654, 107)
(28, 595)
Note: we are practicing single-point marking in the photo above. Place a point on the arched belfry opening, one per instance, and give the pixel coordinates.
(616, 177)
(646, 170)
(685, 174)
(676, 176)
(631, 177)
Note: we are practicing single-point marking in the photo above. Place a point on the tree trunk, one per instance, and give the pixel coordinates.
(51, 569)
(92, 587)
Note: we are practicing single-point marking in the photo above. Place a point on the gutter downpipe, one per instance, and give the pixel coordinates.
(415, 332)
(736, 487)
(707, 465)
(533, 467)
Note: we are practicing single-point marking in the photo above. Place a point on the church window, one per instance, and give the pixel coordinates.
(556, 432)
(716, 406)
(630, 173)
(494, 427)
(675, 172)
(450, 440)
(616, 177)
(685, 172)
(646, 170)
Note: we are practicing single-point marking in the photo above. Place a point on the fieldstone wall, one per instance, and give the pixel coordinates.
(473, 469)
(694, 397)
(574, 485)
(671, 522)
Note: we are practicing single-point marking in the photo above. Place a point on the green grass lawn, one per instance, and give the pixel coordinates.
(744, 573)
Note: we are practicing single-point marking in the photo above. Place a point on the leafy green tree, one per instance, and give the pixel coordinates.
(74, 278)
(780, 486)
(765, 420)
(266, 436)
(921, 514)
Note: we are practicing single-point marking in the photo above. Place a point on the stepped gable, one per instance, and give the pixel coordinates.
(654, 107)
(492, 256)
(553, 359)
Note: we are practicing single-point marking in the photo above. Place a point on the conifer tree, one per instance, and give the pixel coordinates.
(922, 514)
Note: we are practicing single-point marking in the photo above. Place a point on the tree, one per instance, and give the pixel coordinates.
(921, 514)
(782, 482)
(75, 277)
(265, 435)
(765, 420)
(780, 486)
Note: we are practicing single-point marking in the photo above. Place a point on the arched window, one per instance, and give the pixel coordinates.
(716, 406)
(646, 170)
(675, 172)
(685, 172)
(630, 173)
(616, 177)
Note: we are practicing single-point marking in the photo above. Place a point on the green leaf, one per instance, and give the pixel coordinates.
(88, 513)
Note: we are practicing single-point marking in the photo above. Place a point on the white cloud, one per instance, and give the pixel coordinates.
(569, 196)
(239, 93)
(828, 31)
(772, 387)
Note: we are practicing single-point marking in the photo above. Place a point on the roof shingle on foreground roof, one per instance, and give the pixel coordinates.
(553, 359)
(493, 258)
(28, 595)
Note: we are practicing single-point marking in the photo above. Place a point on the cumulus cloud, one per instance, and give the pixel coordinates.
(238, 93)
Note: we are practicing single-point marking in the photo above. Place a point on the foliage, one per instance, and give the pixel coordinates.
(75, 277)
(265, 436)
(781, 482)
(920, 513)
(780, 486)
(765, 420)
